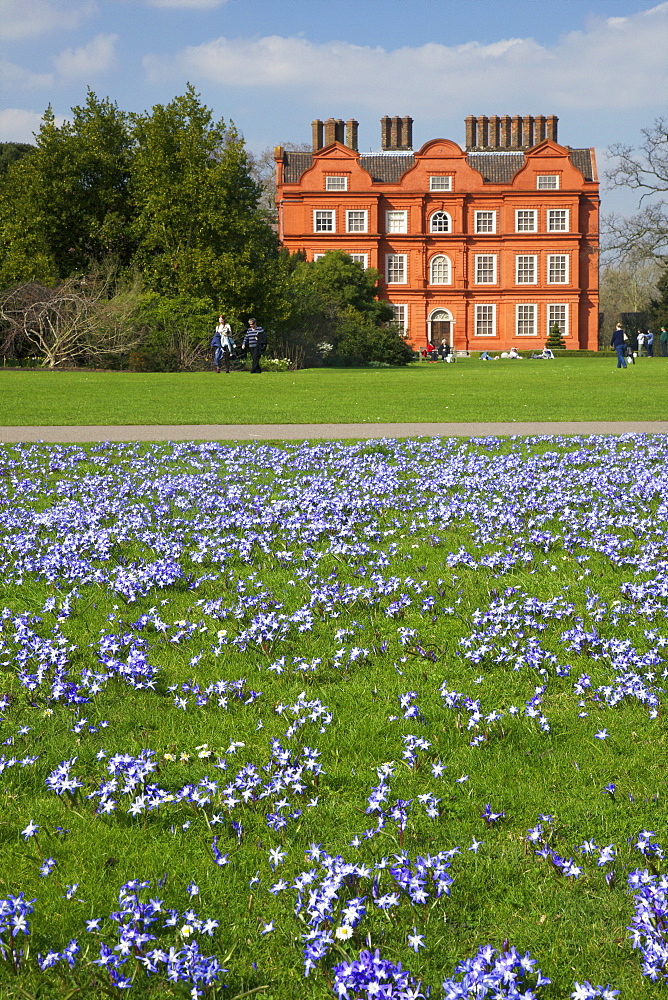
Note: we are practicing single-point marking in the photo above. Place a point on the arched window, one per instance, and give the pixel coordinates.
(440, 270)
(440, 222)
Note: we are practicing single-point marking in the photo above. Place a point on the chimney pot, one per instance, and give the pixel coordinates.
(407, 132)
(516, 132)
(483, 138)
(351, 134)
(471, 130)
(551, 123)
(494, 131)
(538, 129)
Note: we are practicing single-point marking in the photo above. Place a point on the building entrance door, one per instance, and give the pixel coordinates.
(440, 326)
(440, 330)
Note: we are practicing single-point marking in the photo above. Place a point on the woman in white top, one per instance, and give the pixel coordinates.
(223, 344)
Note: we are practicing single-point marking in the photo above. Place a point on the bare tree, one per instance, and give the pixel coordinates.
(72, 323)
(627, 287)
(263, 169)
(643, 236)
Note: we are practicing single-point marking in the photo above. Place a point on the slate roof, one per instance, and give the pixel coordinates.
(388, 168)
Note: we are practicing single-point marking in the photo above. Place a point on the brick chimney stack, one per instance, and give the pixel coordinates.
(395, 127)
(351, 134)
(407, 132)
(316, 135)
(527, 131)
(506, 137)
(385, 133)
(330, 131)
(506, 133)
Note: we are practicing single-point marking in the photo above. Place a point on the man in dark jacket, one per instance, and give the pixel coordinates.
(618, 341)
(255, 340)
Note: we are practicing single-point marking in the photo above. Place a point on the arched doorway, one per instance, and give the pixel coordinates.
(440, 326)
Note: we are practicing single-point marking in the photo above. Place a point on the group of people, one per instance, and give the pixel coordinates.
(645, 341)
(443, 352)
(224, 348)
(545, 355)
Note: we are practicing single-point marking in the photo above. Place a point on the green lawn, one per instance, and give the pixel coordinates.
(578, 389)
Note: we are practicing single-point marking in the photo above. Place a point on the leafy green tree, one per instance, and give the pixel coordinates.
(10, 152)
(64, 207)
(198, 229)
(338, 316)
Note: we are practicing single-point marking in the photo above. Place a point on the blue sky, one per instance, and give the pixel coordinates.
(271, 66)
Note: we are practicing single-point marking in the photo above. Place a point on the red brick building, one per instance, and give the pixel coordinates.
(487, 246)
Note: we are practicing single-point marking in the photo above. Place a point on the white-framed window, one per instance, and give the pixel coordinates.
(557, 220)
(396, 221)
(400, 317)
(485, 320)
(558, 313)
(357, 220)
(547, 182)
(557, 269)
(440, 182)
(525, 269)
(318, 256)
(336, 183)
(360, 258)
(324, 220)
(526, 220)
(485, 222)
(525, 320)
(395, 268)
(440, 222)
(485, 269)
(440, 270)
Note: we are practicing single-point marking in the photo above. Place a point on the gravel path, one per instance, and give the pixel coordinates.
(302, 432)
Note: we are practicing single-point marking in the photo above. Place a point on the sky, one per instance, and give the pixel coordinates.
(271, 66)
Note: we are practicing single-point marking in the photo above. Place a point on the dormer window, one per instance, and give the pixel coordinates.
(440, 182)
(336, 183)
(547, 182)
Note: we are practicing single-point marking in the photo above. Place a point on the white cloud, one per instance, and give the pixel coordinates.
(15, 76)
(17, 125)
(615, 63)
(188, 4)
(96, 57)
(29, 18)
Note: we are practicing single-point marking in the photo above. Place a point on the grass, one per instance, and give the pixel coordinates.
(483, 568)
(567, 389)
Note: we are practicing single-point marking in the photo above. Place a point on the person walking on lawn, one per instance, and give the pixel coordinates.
(618, 341)
(255, 340)
(663, 339)
(223, 345)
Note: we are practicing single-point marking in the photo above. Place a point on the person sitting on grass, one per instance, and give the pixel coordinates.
(514, 353)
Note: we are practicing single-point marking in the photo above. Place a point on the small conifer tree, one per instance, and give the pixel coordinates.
(555, 340)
